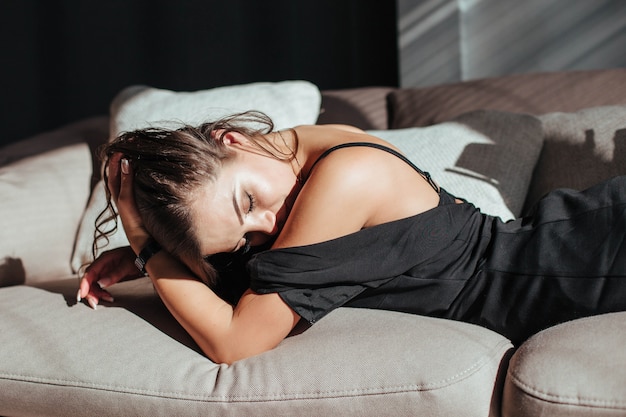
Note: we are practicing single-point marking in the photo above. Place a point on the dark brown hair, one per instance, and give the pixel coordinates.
(168, 166)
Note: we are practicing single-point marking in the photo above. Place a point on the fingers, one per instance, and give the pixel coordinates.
(87, 281)
(120, 185)
(91, 288)
(92, 294)
(127, 209)
(113, 183)
(109, 268)
(126, 183)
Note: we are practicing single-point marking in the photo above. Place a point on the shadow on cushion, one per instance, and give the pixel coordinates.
(355, 362)
(580, 149)
(512, 135)
(12, 272)
(138, 297)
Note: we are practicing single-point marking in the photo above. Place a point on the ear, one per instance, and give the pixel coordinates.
(233, 138)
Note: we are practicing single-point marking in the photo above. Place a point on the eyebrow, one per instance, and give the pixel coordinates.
(237, 211)
(236, 204)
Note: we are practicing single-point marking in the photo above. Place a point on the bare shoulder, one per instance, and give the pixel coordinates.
(332, 203)
(351, 189)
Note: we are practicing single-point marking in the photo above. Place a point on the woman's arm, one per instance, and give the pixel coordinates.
(223, 332)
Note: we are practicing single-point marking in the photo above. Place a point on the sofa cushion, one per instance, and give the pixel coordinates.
(573, 369)
(363, 107)
(288, 103)
(486, 157)
(132, 358)
(580, 149)
(536, 93)
(44, 187)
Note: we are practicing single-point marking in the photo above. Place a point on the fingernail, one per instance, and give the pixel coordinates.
(78, 297)
(92, 303)
(107, 297)
(124, 165)
(104, 282)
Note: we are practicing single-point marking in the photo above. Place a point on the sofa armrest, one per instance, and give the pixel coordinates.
(573, 369)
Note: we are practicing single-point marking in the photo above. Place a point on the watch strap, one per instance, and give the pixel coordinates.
(148, 251)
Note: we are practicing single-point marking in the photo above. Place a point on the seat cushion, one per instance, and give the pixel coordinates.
(129, 358)
(574, 369)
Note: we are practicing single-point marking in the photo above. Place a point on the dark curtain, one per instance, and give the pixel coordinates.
(64, 60)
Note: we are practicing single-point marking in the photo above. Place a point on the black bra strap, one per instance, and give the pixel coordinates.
(424, 174)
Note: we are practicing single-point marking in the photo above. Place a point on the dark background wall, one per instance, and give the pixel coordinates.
(62, 60)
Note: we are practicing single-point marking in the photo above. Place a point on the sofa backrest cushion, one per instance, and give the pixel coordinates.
(288, 103)
(363, 107)
(45, 183)
(485, 157)
(535, 93)
(580, 149)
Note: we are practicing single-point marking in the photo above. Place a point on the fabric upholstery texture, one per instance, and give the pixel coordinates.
(288, 103)
(537, 94)
(40, 198)
(44, 186)
(570, 370)
(131, 358)
(487, 157)
(594, 140)
(363, 107)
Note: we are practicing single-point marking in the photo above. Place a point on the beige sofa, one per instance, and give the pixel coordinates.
(530, 133)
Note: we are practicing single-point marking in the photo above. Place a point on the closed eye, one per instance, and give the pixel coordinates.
(252, 202)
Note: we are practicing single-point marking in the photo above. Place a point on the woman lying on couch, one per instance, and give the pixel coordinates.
(335, 217)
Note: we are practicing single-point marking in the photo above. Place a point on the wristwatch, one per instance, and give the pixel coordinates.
(148, 251)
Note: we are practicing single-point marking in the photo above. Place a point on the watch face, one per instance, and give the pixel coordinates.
(140, 264)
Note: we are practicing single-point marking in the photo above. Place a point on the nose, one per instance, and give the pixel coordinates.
(265, 223)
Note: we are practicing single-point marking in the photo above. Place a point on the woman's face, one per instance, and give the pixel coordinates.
(249, 201)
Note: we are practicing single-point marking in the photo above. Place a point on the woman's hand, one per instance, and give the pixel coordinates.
(117, 264)
(120, 184)
(224, 333)
(111, 267)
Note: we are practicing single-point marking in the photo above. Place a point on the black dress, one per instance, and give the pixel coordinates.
(564, 261)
